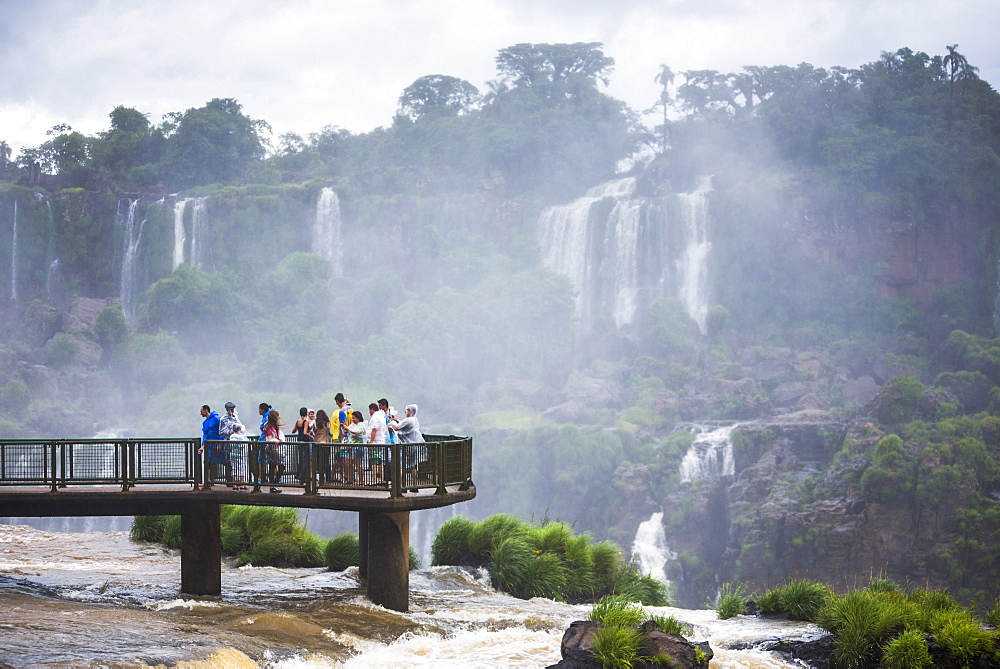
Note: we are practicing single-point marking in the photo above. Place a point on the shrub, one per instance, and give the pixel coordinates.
(489, 533)
(668, 624)
(963, 638)
(343, 551)
(451, 544)
(731, 602)
(147, 528)
(509, 564)
(545, 576)
(804, 599)
(172, 531)
(617, 647)
(551, 537)
(617, 610)
(907, 651)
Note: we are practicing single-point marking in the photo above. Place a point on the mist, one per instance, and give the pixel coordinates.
(785, 245)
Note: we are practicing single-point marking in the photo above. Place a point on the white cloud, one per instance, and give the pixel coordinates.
(304, 64)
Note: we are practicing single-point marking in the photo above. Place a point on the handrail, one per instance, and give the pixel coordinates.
(437, 462)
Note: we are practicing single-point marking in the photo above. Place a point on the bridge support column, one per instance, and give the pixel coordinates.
(363, 542)
(385, 557)
(201, 550)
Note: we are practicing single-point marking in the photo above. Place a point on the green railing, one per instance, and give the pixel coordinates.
(125, 462)
(438, 462)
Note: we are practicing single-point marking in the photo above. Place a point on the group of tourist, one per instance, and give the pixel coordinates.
(346, 463)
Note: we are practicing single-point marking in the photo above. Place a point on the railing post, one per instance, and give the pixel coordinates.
(396, 471)
(466, 451)
(123, 462)
(55, 478)
(253, 463)
(311, 469)
(439, 468)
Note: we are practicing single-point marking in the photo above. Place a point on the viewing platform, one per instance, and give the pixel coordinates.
(137, 477)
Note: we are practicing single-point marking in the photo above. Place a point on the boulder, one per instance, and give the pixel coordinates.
(859, 392)
(83, 313)
(578, 643)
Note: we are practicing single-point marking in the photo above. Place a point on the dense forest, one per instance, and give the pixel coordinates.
(852, 264)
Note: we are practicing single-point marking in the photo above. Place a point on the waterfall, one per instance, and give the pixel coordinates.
(326, 240)
(13, 259)
(625, 220)
(130, 246)
(711, 454)
(565, 240)
(198, 219)
(694, 263)
(650, 548)
(179, 236)
(52, 273)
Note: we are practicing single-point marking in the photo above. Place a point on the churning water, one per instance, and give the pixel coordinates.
(99, 599)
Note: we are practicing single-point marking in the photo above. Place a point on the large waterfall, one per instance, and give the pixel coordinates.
(131, 235)
(620, 253)
(13, 258)
(199, 217)
(694, 263)
(326, 240)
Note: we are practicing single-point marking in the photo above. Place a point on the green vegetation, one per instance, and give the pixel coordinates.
(253, 534)
(804, 157)
(883, 624)
(544, 560)
(731, 601)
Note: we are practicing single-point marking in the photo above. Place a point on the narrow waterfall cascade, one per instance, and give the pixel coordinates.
(625, 222)
(179, 236)
(650, 548)
(51, 259)
(131, 235)
(693, 266)
(710, 455)
(326, 240)
(565, 238)
(13, 258)
(199, 216)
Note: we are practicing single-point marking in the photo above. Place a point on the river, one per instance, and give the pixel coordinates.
(98, 599)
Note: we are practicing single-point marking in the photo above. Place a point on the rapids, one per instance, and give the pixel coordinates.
(99, 599)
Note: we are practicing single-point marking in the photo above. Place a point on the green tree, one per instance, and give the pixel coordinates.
(437, 94)
(214, 143)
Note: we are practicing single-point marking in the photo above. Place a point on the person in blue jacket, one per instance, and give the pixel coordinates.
(217, 453)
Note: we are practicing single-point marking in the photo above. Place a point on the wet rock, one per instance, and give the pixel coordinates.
(859, 392)
(789, 393)
(83, 313)
(578, 643)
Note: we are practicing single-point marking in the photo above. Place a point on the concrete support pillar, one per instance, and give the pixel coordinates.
(389, 559)
(201, 550)
(363, 542)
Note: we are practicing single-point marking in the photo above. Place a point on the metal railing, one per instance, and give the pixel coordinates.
(125, 462)
(438, 462)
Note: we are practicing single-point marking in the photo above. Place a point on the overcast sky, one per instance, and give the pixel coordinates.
(303, 64)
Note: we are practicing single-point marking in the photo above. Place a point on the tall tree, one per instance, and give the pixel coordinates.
(439, 94)
(214, 143)
(958, 68)
(665, 77)
(555, 67)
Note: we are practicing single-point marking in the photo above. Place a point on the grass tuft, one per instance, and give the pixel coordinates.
(907, 651)
(342, 551)
(617, 647)
(451, 544)
(732, 601)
